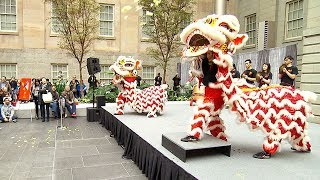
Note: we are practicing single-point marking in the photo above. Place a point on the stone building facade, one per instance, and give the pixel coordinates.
(29, 47)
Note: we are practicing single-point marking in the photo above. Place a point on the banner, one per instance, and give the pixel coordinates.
(25, 89)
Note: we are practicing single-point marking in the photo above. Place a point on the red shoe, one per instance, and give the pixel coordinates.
(73, 115)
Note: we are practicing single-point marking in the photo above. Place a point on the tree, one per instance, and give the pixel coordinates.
(77, 25)
(162, 24)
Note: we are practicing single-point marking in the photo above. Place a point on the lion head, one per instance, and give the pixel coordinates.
(126, 66)
(217, 33)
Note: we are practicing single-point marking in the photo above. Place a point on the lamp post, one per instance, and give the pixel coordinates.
(220, 7)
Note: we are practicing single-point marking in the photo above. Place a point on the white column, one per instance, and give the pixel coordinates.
(220, 7)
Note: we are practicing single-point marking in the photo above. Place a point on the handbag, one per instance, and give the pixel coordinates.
(47, 98)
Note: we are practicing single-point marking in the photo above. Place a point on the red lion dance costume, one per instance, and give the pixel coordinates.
(149, 100)
(280, 112)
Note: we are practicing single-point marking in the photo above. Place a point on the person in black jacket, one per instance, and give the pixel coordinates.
(209, 69)
(44, 107)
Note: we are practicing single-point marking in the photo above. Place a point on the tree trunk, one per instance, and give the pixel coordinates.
(165, 72)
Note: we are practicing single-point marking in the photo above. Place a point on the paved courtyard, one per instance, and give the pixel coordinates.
(35, 150)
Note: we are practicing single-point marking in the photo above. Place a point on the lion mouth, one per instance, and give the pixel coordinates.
(197, 38)
(199, 43)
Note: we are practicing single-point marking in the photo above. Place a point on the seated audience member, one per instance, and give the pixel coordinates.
(7, 111)
(54, 105)
(69, 101)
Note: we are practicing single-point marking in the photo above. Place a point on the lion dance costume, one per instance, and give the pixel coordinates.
(280, 112)
(149, 100)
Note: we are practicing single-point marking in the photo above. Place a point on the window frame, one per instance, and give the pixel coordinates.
(151, 80)
(105, 80)
(16, 20)
(113, 20)
(297, 28)
(6, 64)
(249, 31)
(59, 64)
(144, 20)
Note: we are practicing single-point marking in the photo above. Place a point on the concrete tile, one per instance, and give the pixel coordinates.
(89, 142)
(137, 177)
(62, 174)
(24, 166)
(19, 175)
(46, 144)
(12, 154)
(68, 162)
(99, 172)
(77, 151)
(132, 168)
(6, 168)
(40, 172)
(103, 159)
(109, 148)
(63, 144)
(42, 164)
(112, 140)
(41, 178)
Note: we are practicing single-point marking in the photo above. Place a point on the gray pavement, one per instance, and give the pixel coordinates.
(36, 150)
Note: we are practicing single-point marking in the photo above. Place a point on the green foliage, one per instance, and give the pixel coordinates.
(183, 93)
(165, 18)
(109, 91)
(144, 85)
(60, 83)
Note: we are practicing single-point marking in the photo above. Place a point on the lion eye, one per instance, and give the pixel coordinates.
(211, 21)
(226, 26)
(121, 62)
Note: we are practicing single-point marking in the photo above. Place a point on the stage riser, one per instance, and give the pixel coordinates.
(207, 146)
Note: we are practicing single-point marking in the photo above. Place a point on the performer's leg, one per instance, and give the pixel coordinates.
(120, 104)
(216, 127)
(300, 141)
(270, 147)
(199, 122)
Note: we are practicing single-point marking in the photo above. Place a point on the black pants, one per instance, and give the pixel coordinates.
(42, 107)
(36, 103)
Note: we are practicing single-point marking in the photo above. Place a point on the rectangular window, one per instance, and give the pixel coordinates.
(106, 75)
(57, 70)
(55, 24)
(147, 24)
(8, 13)
(107, 20)
(8, 70)
(294, 18)
(250, 28)
(148, 75)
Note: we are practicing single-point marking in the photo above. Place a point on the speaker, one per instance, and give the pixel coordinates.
(93, 66)
(101, 101)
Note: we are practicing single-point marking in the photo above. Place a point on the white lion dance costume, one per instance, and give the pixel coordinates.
(280, 112)
(149, 100)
